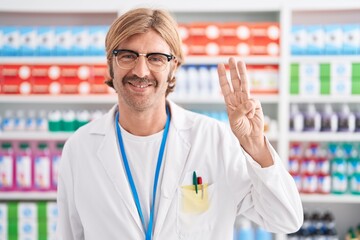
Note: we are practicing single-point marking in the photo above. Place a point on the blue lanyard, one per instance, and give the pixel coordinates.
(148, 231)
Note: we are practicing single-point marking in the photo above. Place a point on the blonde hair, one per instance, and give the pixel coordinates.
(138, 21)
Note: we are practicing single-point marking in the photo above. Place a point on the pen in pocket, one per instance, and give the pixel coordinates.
(195, 182)
(199, 182)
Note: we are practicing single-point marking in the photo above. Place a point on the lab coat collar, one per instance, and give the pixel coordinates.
(177, 150)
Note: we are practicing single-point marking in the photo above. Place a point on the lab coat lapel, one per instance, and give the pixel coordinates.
(109, 155)
(177, 152)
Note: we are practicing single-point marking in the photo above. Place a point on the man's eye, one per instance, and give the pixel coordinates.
(128, 57)
(156, 59)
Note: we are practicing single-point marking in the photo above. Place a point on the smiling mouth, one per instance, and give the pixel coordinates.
(139, 85)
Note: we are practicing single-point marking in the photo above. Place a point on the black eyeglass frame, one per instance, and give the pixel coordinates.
(169, 57)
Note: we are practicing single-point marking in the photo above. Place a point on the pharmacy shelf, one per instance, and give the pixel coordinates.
(10, 196)
(322, 5)
(253, 60)
(54, 60)
(249, 60)
(330, 198)
(324, 99)
(213, 6)
(67, 6)
(33, 135)
(112, 99)
(324, 137)
(263, 98)
(60, 99)
(325, 58)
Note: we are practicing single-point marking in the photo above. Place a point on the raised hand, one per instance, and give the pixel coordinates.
(245, 114)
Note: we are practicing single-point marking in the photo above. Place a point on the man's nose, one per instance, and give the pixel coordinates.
(141, 68)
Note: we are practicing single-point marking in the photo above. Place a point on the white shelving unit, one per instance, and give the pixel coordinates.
(287, 13)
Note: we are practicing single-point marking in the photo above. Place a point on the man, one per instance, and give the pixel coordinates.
(149, 169)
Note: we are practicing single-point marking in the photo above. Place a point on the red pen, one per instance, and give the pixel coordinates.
(199, 182)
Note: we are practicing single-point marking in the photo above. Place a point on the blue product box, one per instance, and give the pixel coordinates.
(298, 43)
(351, 36)
(11, 41)
(28, 41)
(63, 41)
(315, 40)
(97, 40)
(333, 39)
(80, 46)
(46, 41)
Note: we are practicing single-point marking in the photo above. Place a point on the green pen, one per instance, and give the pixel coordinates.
(195, 182)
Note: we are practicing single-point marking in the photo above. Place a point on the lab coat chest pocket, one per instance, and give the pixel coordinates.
(196, 212)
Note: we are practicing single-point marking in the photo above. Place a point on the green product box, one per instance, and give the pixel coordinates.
(355, 86)
(325, 70)
(355, 72)
(294, 70)
(294, 87)
(325, 86)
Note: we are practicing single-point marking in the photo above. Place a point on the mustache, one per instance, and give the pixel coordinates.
(138, 80)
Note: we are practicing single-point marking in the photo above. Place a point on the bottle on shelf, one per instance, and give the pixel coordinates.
(329, 119)
(42, 167)
(296, 119)
(312, 119)
(6, 167)
(24, 171)
(346, 119)
(55, 160)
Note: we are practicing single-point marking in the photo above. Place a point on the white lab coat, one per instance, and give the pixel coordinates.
(95, 201)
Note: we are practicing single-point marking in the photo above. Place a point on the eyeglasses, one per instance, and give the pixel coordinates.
(127, 59)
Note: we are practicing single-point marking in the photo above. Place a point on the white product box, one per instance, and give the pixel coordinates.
(51, 228)
(80, 46)
(340, 86)
(46, 41)
(298, 40)
(315, 40)
(63, 40)
(309, 70)
(340, 69)
(97, 35)
(11, 41)
(27, 211)
(28, 41)
(3, 213)
(52, 211)
(310, 87)
(351, 39)
(3, 230)
(28, 229)
(333, 39)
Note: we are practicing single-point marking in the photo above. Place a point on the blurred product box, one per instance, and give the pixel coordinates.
(28, 41)
(74, 79)
(263, 79)
(80, 43)
(333, 39)
(44, 79)
(351, 39)
(97, 35)
(235, 39)
(16, 79)
(63, 41)
(298, 40)
(204, 39)
(46, 41)
(10, 41)
(315, 40)
(99, 73)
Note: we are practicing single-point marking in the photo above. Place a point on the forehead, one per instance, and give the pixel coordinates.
(147, 42)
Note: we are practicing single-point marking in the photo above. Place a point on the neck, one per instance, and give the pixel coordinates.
(142, 123)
